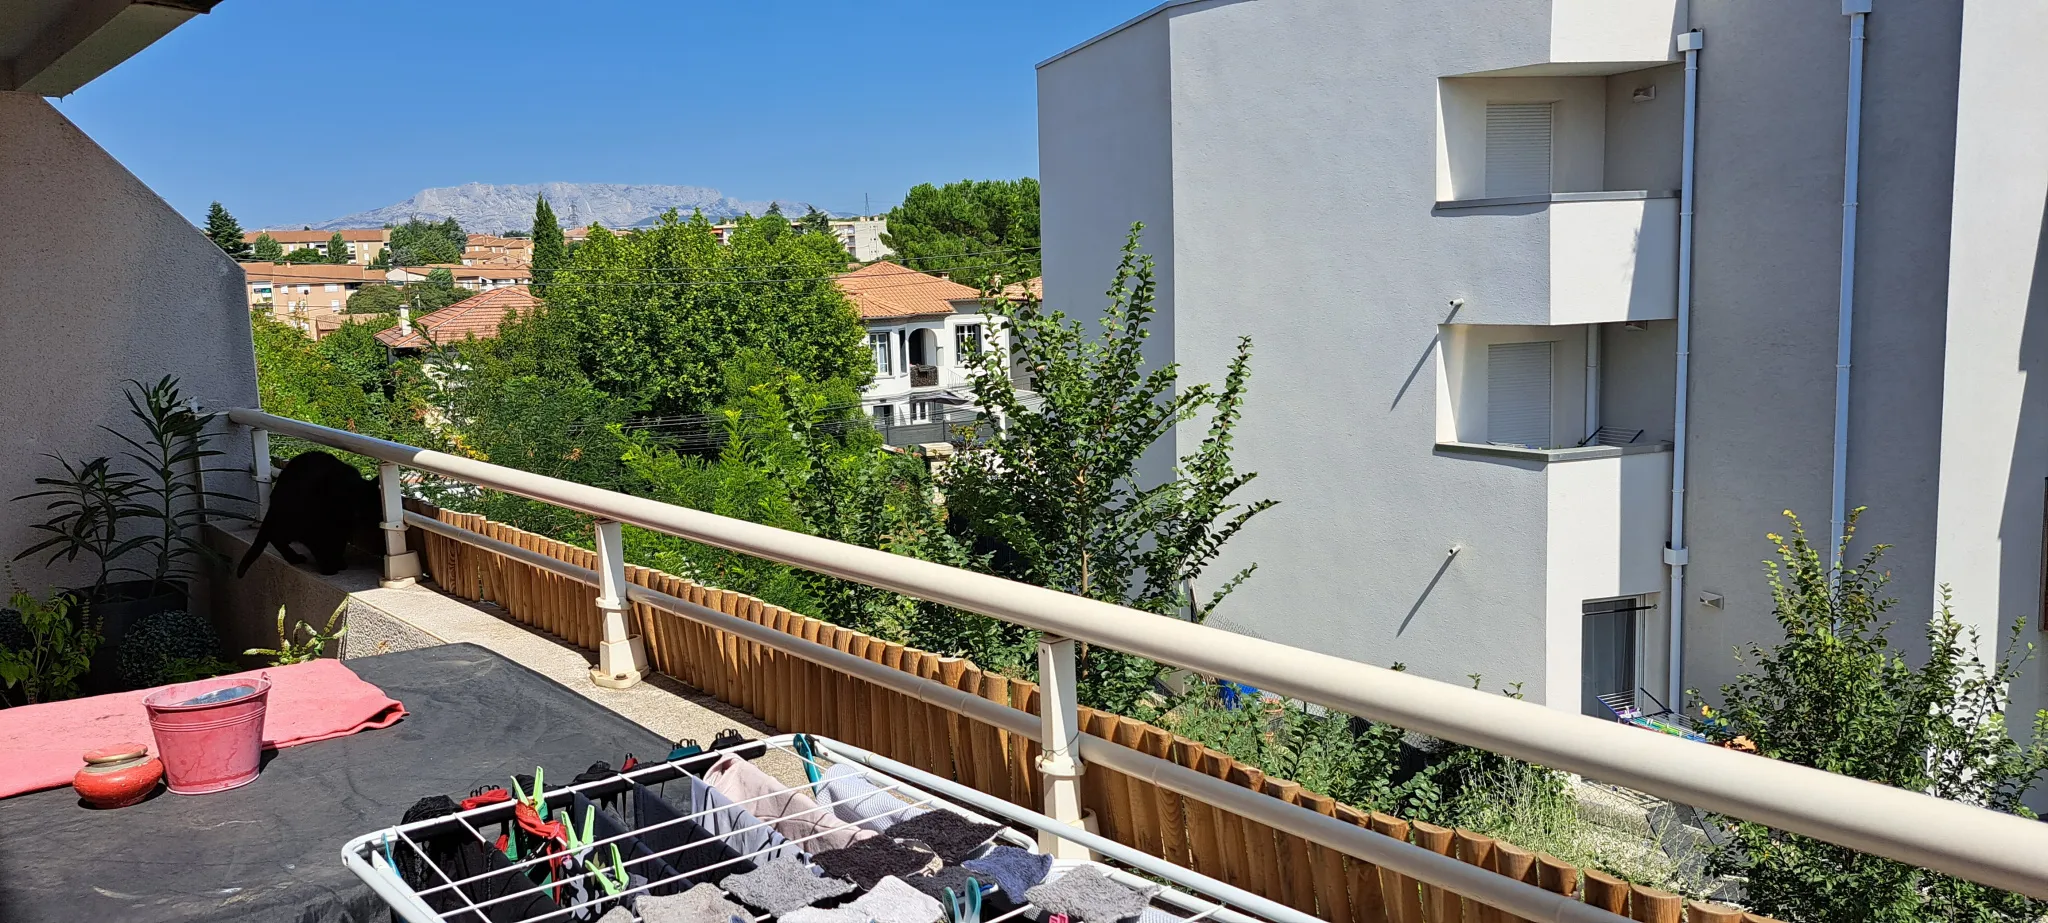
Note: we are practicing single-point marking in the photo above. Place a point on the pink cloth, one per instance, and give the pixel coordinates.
(792, 813)
(41, 745)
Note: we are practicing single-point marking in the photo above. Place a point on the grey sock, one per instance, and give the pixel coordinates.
(783, 885)
(1012, 869)
(1086, 894)
(701, 904)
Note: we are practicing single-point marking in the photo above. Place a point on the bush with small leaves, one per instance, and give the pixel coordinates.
(156, 642)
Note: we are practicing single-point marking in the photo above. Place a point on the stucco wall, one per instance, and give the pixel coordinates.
(1773, 98)
(1577, 134)
(1606, 526)
(1645, 140)
(1994, 450)
(1636, 377)
(100, 281)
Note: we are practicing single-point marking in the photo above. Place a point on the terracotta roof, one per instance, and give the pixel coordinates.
(886, 290)
(517, 270)
(310, 272)
(1033, 287)
(500, 261)
(478, 317)
(378, 235)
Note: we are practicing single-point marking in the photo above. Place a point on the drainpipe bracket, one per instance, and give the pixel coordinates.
(1696, 40)
(1852, 7)
(1677, 557)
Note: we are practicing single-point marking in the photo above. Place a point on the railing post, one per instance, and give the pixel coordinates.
(259, 468)
(401, 567)
(1059, 716)
(621, 655)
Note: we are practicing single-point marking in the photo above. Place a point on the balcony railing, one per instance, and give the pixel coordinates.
(924, 376)
(725, 652)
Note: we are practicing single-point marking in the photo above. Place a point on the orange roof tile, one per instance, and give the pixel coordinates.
(310, 272)
(378, 235)
(479, 317)
(1033, 287)
(884, 290)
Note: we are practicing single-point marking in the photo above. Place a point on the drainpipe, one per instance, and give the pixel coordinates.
(1675, 553)
(1852, 160)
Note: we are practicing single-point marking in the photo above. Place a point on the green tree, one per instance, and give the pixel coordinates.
(376, 298)
(303, 255)
(815, 222)
(419, 243)
(343, 381)
(337, 249)
(226, 232)
(969, 229)
(1836, 695)
(382, 260)
(1057, 495)
(267, 248)
(437, 292)
(659, 314)
(550, 253)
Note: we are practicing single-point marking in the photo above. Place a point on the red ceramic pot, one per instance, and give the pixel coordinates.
(118, 776)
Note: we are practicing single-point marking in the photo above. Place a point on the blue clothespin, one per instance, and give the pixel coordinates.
(390, 861)
(965, 908)
(803, 749)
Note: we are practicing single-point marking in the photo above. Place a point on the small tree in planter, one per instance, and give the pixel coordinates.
(140, 523)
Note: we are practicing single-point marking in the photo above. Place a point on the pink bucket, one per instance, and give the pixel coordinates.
(209, 733)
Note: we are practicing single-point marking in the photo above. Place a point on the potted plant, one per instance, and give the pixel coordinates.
(45, 646)
(136, 517)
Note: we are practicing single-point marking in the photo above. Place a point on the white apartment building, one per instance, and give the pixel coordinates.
(1484, 345)
(862, 237)
(926, 334)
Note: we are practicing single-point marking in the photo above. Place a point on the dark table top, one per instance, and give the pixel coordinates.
(271, 850)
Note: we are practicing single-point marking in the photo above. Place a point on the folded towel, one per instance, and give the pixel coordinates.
(1087, 894)
(784, 885)
(788, 810)
(857, 801)
(1014, 870)
(701, 904)
(869, 861)
(951, 836)
(890, 901)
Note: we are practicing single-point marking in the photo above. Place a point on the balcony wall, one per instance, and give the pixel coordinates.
(1609, 256)
(1615, 31)
(1608, 521)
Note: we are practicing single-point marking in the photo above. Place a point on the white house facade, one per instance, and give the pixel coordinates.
(926, 335)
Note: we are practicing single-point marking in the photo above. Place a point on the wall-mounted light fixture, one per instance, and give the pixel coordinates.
(1643, 94)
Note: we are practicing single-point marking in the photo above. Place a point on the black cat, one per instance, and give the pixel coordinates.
(322, 503)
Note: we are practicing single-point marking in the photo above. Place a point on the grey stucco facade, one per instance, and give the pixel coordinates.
(100, 282)
(1297, 166)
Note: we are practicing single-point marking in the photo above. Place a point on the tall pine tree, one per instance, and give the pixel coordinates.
(226, 232)
(550, 251)
(337, 249)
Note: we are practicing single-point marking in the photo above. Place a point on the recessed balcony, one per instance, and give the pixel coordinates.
(1610, 256)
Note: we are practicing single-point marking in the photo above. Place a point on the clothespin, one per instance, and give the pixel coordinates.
(965, 908)
(687, 747)
(1056, 918)
(390, 861)
(533, 800)
(618, 869)
(803, 749)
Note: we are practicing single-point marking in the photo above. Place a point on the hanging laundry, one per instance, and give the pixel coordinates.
(785, 885)
(951, 836)
(792, 812)
(890, 901)
(1014, 870)
(715, 837)
(1084, 893)
(869, 861)
(701, 904)
(857, 801)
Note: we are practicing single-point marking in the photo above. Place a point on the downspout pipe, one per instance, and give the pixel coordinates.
(1845, 321)
(1675, 553)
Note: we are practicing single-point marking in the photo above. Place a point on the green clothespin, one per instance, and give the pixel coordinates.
(535, 801)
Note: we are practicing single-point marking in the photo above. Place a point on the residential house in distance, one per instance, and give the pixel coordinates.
(1480, 409)
(478, 316)
(298, 292)
(363, 243)
(482, 278)
(862, 237)
(926, 334)
(483, 248)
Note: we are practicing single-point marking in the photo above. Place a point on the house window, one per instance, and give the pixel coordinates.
(1518, 394)
(966, 344)
(920, 411)
(883, 414)
(1608, 654)
(878, 343)
(305, 289)
(335, 303)
(1517, 148)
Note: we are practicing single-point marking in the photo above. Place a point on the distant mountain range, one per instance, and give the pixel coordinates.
(490, 208)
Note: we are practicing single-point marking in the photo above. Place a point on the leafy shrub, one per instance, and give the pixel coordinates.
(50, 646)
(156, 641)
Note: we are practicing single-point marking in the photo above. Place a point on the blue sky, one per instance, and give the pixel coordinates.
(295, 111)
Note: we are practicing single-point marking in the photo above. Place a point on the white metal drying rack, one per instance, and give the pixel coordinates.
(365, 855)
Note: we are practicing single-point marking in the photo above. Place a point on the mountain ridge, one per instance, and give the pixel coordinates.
(491, 208)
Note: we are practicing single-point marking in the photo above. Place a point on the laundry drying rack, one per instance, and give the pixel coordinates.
(374, 857)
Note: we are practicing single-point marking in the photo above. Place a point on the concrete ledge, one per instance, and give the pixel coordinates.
(1576, 453)
(1620, 195)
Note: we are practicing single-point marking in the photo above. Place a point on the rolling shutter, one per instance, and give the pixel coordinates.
(1517, 149)
(1518, 394)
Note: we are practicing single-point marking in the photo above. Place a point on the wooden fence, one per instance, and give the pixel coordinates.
(795, 695)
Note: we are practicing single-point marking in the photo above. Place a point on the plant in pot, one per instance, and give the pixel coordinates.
(136, 517)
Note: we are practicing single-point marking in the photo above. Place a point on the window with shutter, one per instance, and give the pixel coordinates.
(1517, 148)
(1518, 394)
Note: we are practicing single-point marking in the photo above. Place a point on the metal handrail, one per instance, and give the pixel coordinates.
(1969, 842)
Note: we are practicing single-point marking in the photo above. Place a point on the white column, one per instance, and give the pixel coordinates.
(259, 468)
(1061, 727)
(401, 567)
(621, 656)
